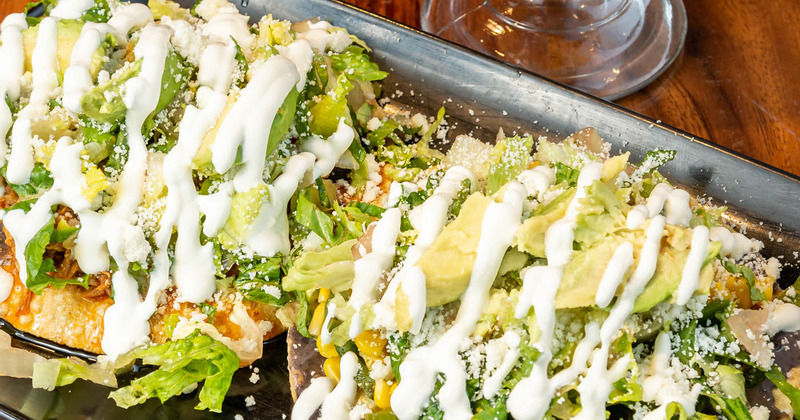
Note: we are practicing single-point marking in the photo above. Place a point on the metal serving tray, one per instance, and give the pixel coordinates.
(481, 95)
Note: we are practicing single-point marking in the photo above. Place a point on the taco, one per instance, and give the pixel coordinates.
(567, 283)
(150, 155)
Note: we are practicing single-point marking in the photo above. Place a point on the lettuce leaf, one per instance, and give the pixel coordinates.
(182, 363)
(38, 267)
(356, 64)
(332, 108)
(53, 373)
(331, 269)
(776, 376)
(260, 281)
(100, 12)
(41, 181)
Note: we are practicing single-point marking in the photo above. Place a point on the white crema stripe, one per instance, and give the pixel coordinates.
(269, 233)
(494, 382)
(12, 67)
(126, 321)
(690, 278)
(596, 386)
(370, 267)
(67, 182)
(193, 269)
(44, 62)
(428, 219)
(263, 96)
(678, 211)
(312, 398)
(71, 9)
(421, 367)
(339, 402)
(129, 16)
(77, 79)
(531, 398)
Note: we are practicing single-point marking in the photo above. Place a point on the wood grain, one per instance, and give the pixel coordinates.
(735, 83)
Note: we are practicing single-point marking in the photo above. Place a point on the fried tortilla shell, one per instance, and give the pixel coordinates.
(73, 316)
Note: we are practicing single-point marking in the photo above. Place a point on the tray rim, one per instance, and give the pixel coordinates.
(591, 98)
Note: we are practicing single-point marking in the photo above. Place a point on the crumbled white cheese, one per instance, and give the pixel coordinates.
(135, 247)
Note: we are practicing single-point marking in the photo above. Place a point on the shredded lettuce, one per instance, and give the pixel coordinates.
(38, 267)
(260, 281)
(566, 174)
(510, 157)
(182, 363)
(40, 182)
(653, 160)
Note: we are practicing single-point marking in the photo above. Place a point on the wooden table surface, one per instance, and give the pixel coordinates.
(736, 83)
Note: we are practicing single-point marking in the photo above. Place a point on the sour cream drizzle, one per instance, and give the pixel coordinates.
(531, 398)
(45, 67)
(421, 367)
(658, 383)
(12, 67)
(77, 79)
(676, 200)
(269, 233)
(428, 219)
(71, 9)
(126, 321)
(67, 183)
(338, 403)
(690, 278)
(128, 17)
(734, 244)
(263, 96)
(492, 384)
(193, 269)
(370, 267)
(312, 397)
(598, 382)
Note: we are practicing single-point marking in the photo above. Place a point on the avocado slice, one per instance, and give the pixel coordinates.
(202, 159)
(245, 207)
(69, 30)
(448, 262)
(280, 128)
(583, 273)
(530, 237)
(104, 103)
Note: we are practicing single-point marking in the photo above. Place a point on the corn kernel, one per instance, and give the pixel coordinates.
(383, 393)
(317, 319)
(331, 368)
(371, 344)
(326, 350)
(324, 295)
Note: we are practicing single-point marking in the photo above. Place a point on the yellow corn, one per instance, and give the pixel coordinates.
(331, 368)
(383, 393)
(371, 344)
(324, 295)
(326, 350)
(317, 319)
